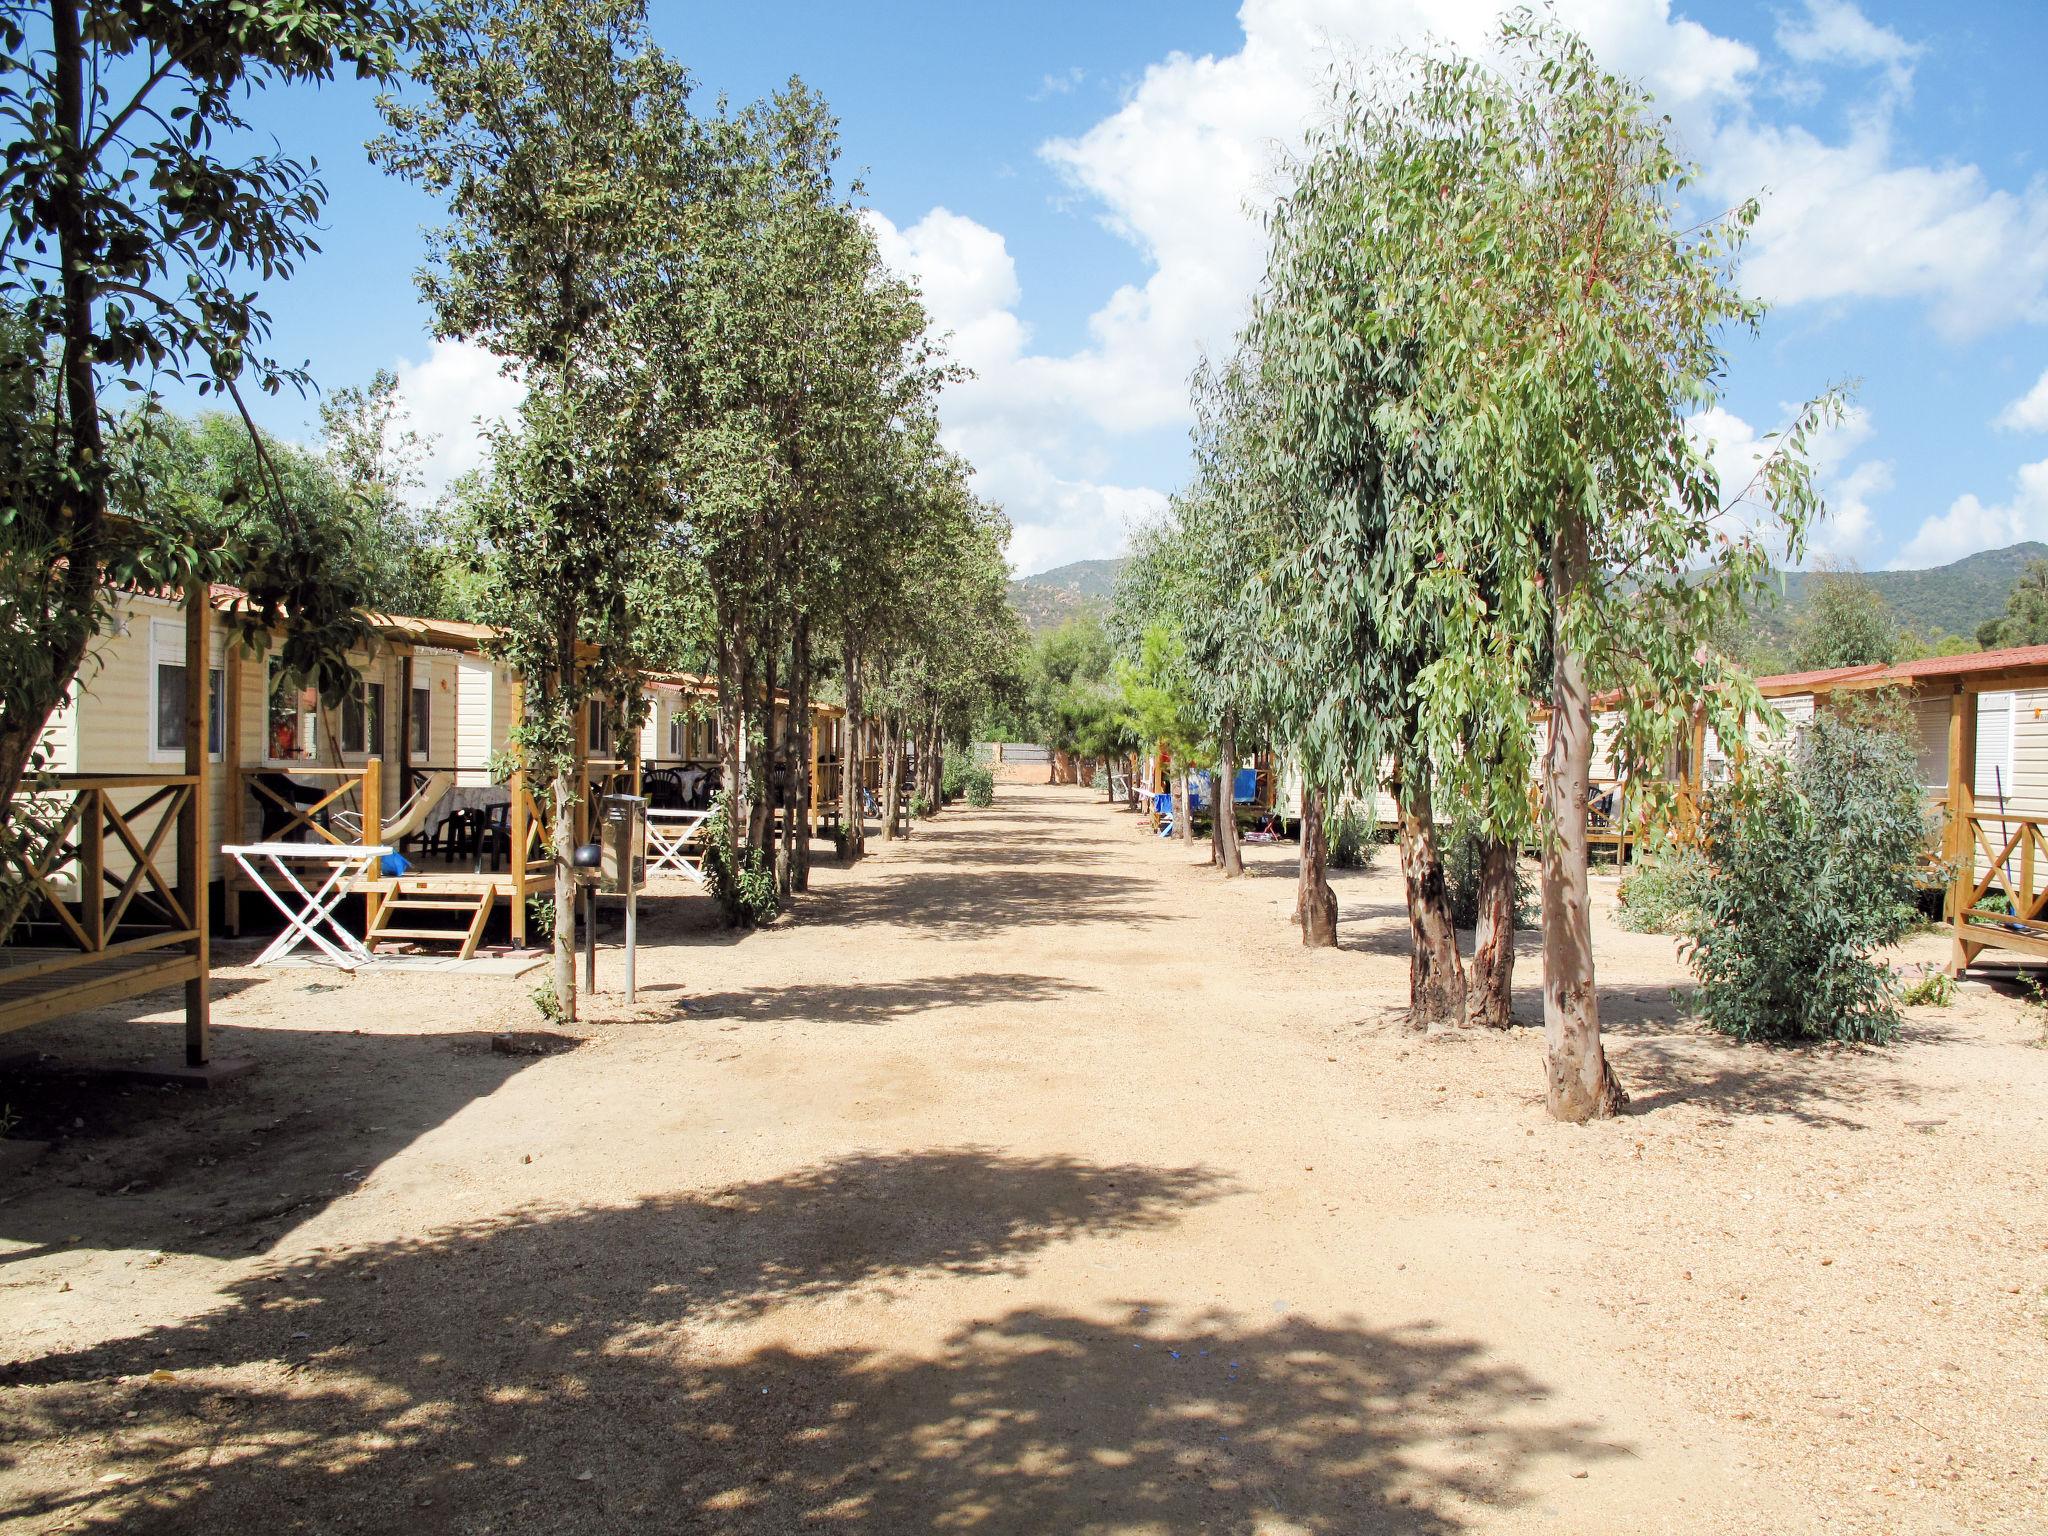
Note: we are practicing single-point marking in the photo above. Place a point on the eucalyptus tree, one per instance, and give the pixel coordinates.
(1558, 314)
(1150, 617)
(1357, 495)
(559, 138)
(134, 223)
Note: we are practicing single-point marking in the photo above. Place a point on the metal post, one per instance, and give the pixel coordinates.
(632, 934)
(590, 938)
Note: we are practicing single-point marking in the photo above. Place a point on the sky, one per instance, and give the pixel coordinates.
(1076, 187)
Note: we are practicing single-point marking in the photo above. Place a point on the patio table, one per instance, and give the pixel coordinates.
(314, 909)
(675, 843)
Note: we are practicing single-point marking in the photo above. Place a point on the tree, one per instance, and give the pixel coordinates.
(372, 449)
(558, 136)
(2025, 620)
(1568, 328)
(1488, 335)
(131, 232)
(1846, 623)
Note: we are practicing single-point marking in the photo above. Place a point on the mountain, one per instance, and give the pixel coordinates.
(1048, 599)
(1955, 597)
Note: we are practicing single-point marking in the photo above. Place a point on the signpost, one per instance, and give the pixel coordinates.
(621, 871)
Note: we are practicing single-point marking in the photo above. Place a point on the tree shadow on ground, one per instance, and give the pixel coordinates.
(870, 1002)
(226, 1172)
(561, 1370)
(1819, 1086)
(973, 904)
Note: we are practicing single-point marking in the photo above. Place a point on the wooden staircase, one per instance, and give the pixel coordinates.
(396, 918)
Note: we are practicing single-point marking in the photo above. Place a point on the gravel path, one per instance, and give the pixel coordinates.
(1029, 1181)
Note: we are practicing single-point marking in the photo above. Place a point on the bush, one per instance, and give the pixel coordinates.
(920, 807)
(953, 777)
(980, 785)
(1932, 989)
(1659, 893)
(1351, 838)
(1461, 881)
(745, 888)
(1812, 861)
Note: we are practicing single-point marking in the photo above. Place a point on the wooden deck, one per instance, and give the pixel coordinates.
(38, 985)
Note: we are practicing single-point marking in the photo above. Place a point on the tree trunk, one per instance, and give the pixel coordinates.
(800, 760)
(761, 754)
(1578, 1084)
(1228, 854)
(891, 769)
(852, 814)
(563, 970)
(1490, 999)
(1315, 904)
(1184, 822)
(1436, 977)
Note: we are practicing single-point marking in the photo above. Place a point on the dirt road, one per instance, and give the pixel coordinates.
(1029, 1181)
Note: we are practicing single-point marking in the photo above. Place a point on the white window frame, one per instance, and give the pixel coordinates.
(373, 744)
(167, 649)
(273, 664)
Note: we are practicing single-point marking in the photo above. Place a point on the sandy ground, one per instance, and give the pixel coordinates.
(1030, 1180)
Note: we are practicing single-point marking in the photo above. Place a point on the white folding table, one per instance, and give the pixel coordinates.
(315, 909)
(675, 843)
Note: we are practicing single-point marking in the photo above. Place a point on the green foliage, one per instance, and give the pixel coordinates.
(2025, 620)
(1813, 859)
(540, 918)
(140, 213)
(980, 785)
(921, 807)
(1930, 989)
(1659, 892)
(741, 880)
(1846, 623)
(548, 1006)
(1350, 837)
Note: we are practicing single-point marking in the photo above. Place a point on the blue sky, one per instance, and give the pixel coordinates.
(1071, 183)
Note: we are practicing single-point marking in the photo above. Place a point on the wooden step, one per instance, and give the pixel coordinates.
(415, 904)
(420, 933)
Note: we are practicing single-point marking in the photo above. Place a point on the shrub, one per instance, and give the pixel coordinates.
(980, 783)
(1351, 838)
(744, 888)
(1933, 989)
(953, 777)
(1658, 894)
(1461, 881)
(1812, 860)
(920, 806)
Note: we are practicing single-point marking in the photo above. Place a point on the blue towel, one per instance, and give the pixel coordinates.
(393, 865)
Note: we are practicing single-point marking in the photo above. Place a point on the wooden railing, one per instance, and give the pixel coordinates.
(358, 791)
(114, 930)
(2001, 880)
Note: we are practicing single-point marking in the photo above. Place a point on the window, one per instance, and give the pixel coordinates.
(599, 747)
(167, 714)
(676, 726)
(362, 720)
(422, 724)
(294, 724)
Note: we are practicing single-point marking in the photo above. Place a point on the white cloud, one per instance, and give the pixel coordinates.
(2029, 413)
(1183, 167)
(1065, 83)
(453, 393)
(1837, 32)
(1847, 482)
(1970, 525)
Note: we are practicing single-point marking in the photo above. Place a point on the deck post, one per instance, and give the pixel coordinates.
(405, 676)
(1962, 847)
(519, 829)
(812, 812)
(373, 833)
(194, 865)
(234, 823)
(92, 866)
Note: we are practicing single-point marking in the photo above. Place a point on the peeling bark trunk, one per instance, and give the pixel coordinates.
(891, 769)
(852, 814)
(563, 968)
(1436, 976)
(1228, 854)
(1490, 999)
(1184, 819)
(1578, 1085)
(1315, 904)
